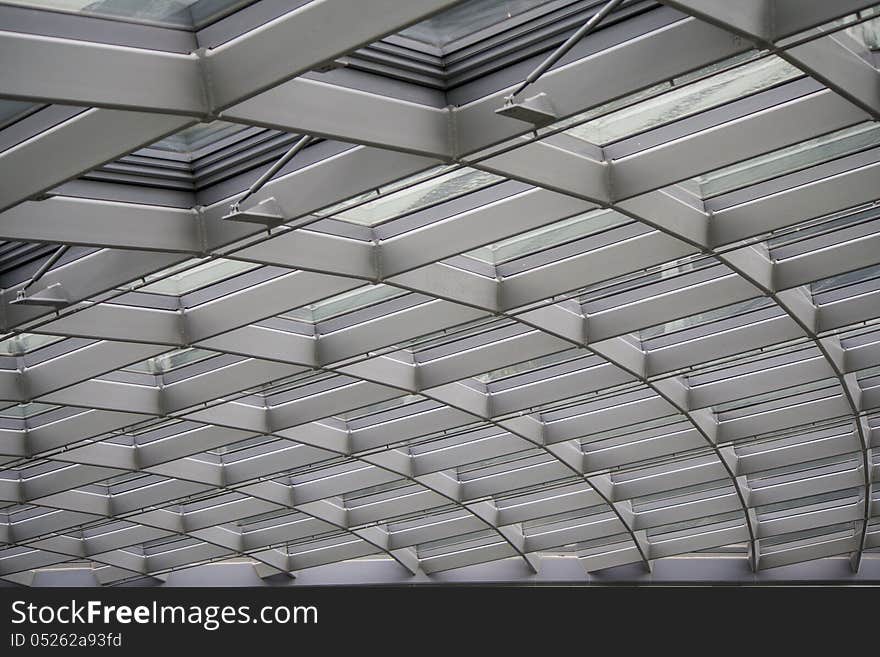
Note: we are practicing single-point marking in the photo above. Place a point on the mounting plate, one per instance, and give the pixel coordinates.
(537, 110)
(267, 213)
(53, 296)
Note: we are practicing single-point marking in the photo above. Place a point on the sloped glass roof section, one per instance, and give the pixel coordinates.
(20, 344)
(349, 301)
(790, 159)
(557, 233)
(469, 17)
(193, 275)
(412, 197)
(10, 110)
(867, 33)
(170, 361)
(197, 137)
(437, 336)
(679, 102)
(171, 13)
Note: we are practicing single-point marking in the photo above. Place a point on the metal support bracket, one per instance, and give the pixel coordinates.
(537, 110)
(53, 296)
(267, 212)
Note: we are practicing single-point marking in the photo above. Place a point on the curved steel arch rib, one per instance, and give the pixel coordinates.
(697, 229)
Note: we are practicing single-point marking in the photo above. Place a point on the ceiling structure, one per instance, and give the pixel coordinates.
(647, 330)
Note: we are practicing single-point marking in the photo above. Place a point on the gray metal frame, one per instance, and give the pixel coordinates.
(296, 444)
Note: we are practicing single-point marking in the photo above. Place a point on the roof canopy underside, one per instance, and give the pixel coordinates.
(647, 330)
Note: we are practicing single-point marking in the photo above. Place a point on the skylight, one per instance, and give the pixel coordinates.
(194, 276)
(197, 137)
(172, 13)
(689, 99)
(469, 17)
(445, 187)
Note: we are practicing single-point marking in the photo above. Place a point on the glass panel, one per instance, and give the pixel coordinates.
(420, 195)
(345, 302)
(826, 500)
(543, 238)
(656, 90)
(806, 236)
(867, 33)
(170, 361)
(704, 318)
(860, 26)
(844, 280)
(534, 364)
(24, 343)
(685, 101)
(175, 13)
(789, 159)
(197, 277)
(393, 187)
(783, 396)
(490, 466)
(425, 343)
(869, 378)
(378, 407)
(694, 527)
(466, 18)
(599, 292)
(197, 137)
(294, 383)
(204, 12)
(11, 110)
(625, 434)
(249, 443)
(802, 471)
(21, 411)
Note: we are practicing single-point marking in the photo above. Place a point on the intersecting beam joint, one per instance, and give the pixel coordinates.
(207, 86)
